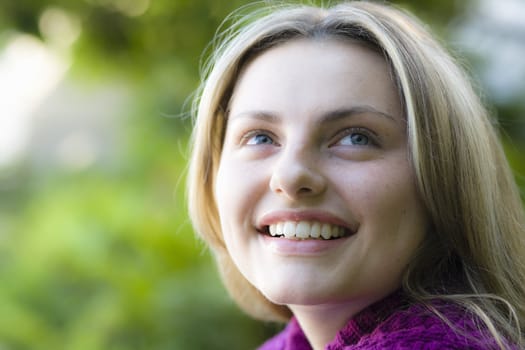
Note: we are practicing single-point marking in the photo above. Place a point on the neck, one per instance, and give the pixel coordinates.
(321, 323)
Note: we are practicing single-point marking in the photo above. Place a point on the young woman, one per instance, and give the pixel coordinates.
(349, 181)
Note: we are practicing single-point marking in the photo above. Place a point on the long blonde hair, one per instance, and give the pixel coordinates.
(475, 251)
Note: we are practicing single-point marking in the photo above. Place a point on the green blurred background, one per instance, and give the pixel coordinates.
(96, 250)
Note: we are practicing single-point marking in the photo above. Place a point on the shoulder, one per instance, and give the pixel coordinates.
(447, 326)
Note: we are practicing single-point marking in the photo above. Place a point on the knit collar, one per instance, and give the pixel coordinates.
(368, 319)
(360, 325)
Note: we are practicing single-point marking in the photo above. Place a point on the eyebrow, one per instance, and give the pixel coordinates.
(327, 117)
(341, 113)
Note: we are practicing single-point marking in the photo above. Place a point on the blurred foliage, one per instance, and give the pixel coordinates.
(105, 257)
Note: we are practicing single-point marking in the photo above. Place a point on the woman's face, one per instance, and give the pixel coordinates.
(315, 191)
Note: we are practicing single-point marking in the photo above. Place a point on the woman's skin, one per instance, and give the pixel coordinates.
(316, 148)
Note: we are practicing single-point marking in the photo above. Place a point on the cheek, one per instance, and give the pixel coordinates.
(226, 194)
(227, 199)
(235, 194)
(236, 200)
(401, 219)
(385, 196)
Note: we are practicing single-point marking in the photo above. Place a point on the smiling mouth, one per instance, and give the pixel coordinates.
(301, 230)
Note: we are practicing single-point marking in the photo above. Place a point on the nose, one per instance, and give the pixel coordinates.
(295, 174)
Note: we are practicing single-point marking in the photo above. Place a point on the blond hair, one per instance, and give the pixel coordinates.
(475, 251)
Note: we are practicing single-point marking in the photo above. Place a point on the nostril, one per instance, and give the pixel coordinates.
(304, 190)
(297, 179)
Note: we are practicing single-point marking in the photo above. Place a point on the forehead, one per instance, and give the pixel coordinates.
(323, 72)
(320, 74)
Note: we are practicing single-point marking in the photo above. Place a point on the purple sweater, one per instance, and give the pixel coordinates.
(393, 324)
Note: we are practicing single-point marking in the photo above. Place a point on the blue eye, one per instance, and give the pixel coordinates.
(355, 138)
(259, 139)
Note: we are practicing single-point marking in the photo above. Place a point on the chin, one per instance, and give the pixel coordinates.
(300, 296)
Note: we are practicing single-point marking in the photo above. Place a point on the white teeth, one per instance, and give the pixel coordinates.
(302, 230)
(326, 231)
(315, 231)
(279, 229)
(305, 230)
(289, 229)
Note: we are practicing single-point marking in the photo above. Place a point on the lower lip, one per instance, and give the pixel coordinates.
(301, 247)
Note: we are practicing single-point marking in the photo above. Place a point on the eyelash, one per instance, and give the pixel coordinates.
(251, 134)
(371, 136)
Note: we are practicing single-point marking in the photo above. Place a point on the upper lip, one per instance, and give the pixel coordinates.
(304, 215)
